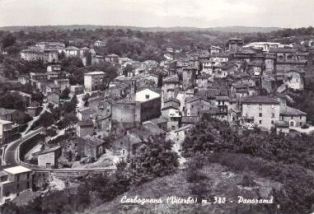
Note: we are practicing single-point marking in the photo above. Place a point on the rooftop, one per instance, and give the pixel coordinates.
(191, 99)
(49, 150)
(91, 140)
(3, 122)
(85, 123)
(146, 95)
(289, 111)
(95, 73)
(171, 79)
(72, 48)
(190, 119)
(17, 170)
(222, 98)
(260, 100)
(153, 128)
(282, 50)
(5, 111)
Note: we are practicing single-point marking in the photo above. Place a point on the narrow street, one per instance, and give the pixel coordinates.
(30, 123)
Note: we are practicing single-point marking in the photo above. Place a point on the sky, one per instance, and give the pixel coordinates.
(162, 13)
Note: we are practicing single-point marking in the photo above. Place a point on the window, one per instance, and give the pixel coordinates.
(272, 122)
(272, 115)
(260, 107)
(260, 114)
(260, 122)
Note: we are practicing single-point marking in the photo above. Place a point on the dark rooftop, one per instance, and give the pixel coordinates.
(259, 100)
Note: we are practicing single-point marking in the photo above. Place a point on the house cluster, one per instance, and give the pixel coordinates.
(52, 52)
(246, 85)
(243, 84)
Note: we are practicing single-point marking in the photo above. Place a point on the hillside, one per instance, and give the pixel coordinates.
(216, 181)
(231, 29)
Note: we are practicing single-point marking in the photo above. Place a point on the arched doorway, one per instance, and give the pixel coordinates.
(292, 123)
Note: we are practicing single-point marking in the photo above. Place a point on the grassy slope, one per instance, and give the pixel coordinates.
(219, 182)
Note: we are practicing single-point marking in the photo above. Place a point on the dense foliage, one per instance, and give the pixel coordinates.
(286, 159)
(305, 100)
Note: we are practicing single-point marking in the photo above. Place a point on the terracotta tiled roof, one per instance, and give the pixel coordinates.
(289, 111)
(259, 100)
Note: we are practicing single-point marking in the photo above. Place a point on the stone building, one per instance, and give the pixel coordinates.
(126, 112)
(8, 131)
(84, 128)
(49, 157)
(170, 87)
(13, 181)
(262, 111)
(188, 77)
(234, 44)
(288, 59)
(145, 105)
(35, 54)
(292, 116)
(150, 104)
(94, 81)
(89, 146)
(72, 51)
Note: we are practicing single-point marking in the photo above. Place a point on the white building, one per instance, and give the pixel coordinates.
(5, 130)
(72, 51)
(262, 111)
(13, 181)
(94, 80)
(100, 43)
(265, 46)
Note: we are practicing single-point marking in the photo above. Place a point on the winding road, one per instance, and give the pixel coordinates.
(11, 154)
(12, 158)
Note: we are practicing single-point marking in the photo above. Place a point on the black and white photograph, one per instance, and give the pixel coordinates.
(156, 107)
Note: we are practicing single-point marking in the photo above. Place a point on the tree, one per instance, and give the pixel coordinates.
(12, 101)
(8, 41)
(65, 94)
(45, 120)
(154, 159)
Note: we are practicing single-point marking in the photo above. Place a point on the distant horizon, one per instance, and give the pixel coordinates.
(158, 13)
(152, 26)
(223, 29)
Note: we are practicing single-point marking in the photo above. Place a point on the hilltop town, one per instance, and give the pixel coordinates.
(73, 109)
